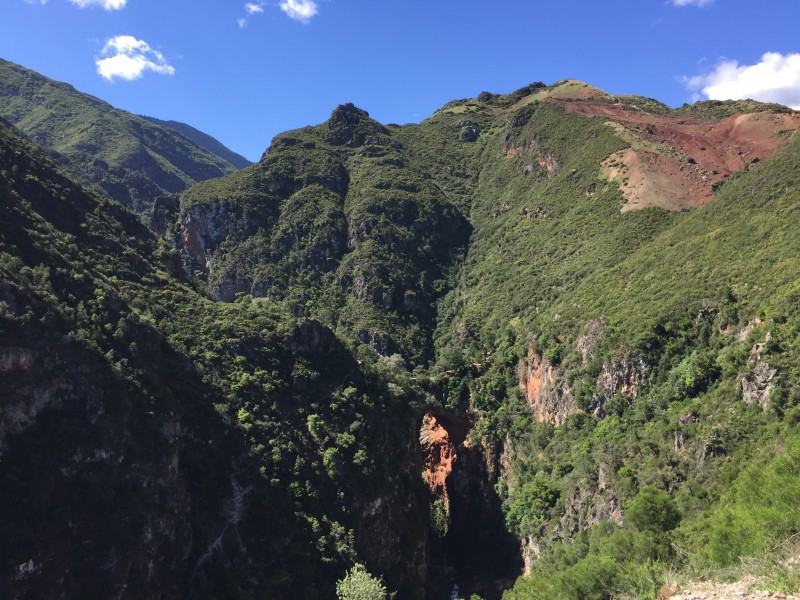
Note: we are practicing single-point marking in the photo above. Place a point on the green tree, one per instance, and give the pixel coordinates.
(358, 584)
(653, 510)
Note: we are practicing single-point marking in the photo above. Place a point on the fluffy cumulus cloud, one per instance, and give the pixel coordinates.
(776, 78)
(252, 8)
(125, 57)
(700, 3)
(106, 4)
(299, 10)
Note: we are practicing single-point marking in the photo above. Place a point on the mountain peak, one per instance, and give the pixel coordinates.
(350, 126)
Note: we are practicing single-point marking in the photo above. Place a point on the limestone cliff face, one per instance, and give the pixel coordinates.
(393, 516)
(757, 383)
(32, 395)
(544, 387)
(622, 378)
(203, 227)
(590, 503)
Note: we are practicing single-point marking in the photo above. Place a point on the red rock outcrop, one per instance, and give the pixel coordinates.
(549, 398)
(439, 455)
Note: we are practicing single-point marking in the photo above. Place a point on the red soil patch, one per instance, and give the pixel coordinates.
(696, 154)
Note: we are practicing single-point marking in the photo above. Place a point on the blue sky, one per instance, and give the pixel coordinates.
(245, 71)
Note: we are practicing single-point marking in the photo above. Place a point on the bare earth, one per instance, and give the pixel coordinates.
(707, 590)
(675, 160)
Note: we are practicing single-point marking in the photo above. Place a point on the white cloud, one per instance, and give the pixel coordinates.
(127, 58)
(775, 79)
(299, 10)
(699, 3)
(106, 4)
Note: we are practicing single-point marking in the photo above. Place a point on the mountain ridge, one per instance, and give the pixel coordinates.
(444, 350)
(203, 140)
(130, 159)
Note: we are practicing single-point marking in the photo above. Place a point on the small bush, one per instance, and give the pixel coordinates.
(358, 584)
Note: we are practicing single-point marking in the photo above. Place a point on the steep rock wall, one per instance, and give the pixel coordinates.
(545, 389)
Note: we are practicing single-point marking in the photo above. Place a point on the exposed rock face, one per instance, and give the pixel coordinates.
(745, 331)
(439, 453)
(30, 396)
(542, 385)
(587, 341)
(588, 505)
(380, 343)
(624, 378)
(311, 337)
(393, 515)
(531, 552)
(350, 126)
(135, 547)
(468, 131)
(461, 475)
(756, 385)
(203, 227)
(164, 215)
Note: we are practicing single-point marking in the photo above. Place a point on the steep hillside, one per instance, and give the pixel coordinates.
(594, 339)
(203, 140)
(156, 444)
(130, 159)
(335, 223)
(551, 333)
(611, 353)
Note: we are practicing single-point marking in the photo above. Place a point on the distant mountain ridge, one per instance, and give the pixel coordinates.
(203, 140)
(131, 159)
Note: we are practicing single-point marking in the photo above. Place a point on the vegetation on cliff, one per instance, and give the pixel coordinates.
(261, 368)
(156, 443)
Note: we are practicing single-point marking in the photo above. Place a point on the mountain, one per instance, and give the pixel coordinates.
(333, 217)
(156, 444)
(130, 159)
(204, 141)
(542, 345)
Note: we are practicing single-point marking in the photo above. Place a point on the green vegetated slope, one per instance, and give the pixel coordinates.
(630, 378)
(707, 310)
(203, 140)
(154, 443)
(627, 361)
(132, 160)
(337, 223)
(605, 358)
